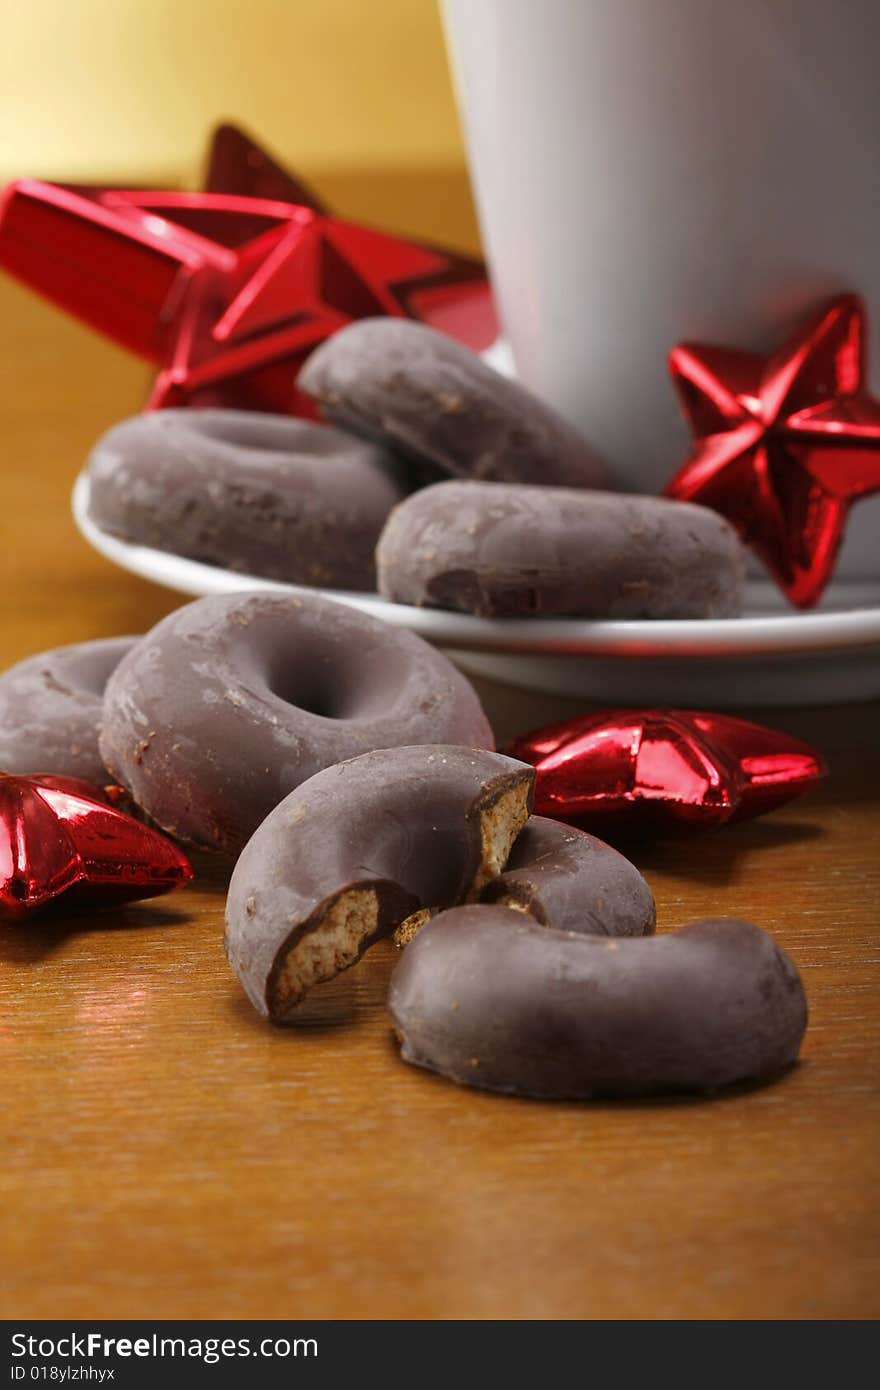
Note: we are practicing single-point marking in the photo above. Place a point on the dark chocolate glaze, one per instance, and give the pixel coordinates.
(512, 551)
(50, 708)
(260, 494)
(232, 701)
(570, 880)
(490, 999)
(357, 849)
(429, 397)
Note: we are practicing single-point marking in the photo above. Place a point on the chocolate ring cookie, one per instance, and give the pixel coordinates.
(232, 701)
(359, 850)
(568, 879)
(434, 400)
(490, 999)
(259, 494)
(50, 708)
(504, 550)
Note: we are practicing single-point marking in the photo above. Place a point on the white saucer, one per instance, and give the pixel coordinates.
(771, 656)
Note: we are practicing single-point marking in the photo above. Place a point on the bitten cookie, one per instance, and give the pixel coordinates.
(429, 397)
(232, 701)
(260, 494)
(506, 550)
(358, 851)
(490, 999)
(50, 709)
(567, 879)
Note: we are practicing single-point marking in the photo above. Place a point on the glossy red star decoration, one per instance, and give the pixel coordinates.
(229, 290)
(237, 164)
(59, 838)
(670, 767)
(784, 445)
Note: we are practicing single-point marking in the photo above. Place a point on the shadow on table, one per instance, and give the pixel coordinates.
(718, 853)
(609, 1104)
(35, 938)
(343, 1003)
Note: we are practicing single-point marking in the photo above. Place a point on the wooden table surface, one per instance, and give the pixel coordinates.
(168, 1154)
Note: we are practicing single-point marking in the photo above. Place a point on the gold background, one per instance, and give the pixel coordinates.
(355, 94)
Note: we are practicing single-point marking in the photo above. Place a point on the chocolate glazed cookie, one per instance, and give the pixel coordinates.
(232, 701)
(50, 708)
(260, 494)
(512, 551)
(436, 401)
(567, 879)
(359, 850)
(490, 999)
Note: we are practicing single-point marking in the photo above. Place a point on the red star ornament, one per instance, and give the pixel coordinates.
(229, 292)
(59, 838)
(672, 767)
(784, 445)
(237, 164)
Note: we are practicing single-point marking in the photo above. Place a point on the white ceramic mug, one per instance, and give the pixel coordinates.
(648, 171)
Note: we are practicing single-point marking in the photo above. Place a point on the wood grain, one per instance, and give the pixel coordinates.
(169, 1155)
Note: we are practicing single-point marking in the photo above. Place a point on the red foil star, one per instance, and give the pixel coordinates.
(784, 445)
(58, 838)
(673, 767)
(237, 164)
(229, 291)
